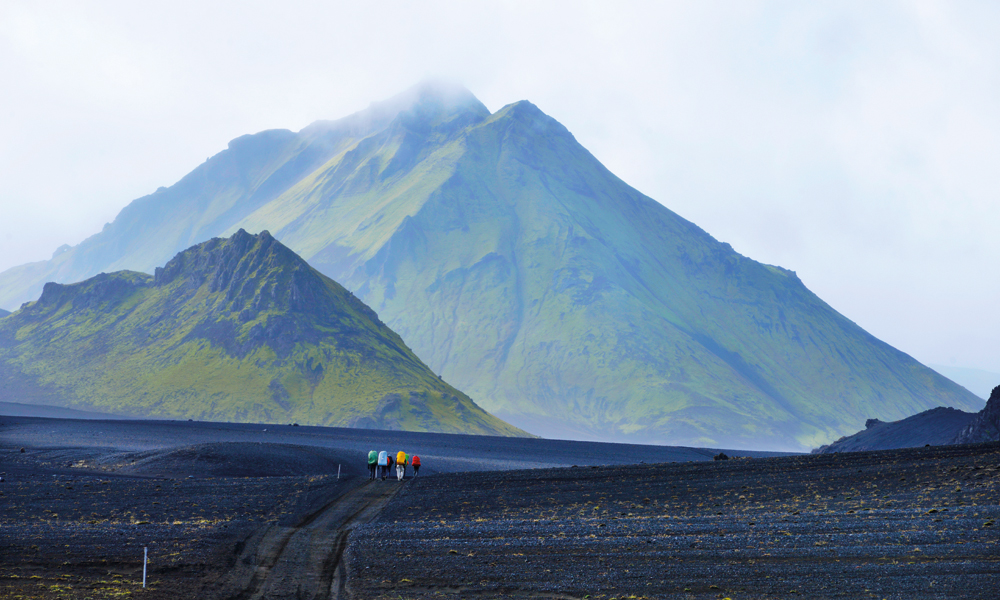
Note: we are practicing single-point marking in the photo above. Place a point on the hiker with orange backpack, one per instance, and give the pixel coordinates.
(400, 465)
(415, 461)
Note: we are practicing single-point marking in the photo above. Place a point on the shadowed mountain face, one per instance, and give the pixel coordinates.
(4, 313)
(531, 277)
(237, 329)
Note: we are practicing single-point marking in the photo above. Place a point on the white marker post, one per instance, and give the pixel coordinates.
(338, 472)
(145, 558)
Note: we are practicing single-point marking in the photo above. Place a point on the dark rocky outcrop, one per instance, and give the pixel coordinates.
(935, 427)
(985, 427)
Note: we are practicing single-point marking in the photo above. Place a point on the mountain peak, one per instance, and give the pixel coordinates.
(220, 257)
(432, 101)
(256, 273)
(438, 90)
(433, 96)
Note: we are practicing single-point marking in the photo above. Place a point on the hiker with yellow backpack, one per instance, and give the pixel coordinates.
(402, 460)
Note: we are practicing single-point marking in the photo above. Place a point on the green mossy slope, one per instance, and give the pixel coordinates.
(237, 329)
(531, 277)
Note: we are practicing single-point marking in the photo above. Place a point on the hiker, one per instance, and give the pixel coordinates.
(400, 465)
(388, 468)
(372, 464)
(383, 463)
(415, 461)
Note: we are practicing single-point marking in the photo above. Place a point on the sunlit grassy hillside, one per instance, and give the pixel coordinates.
(237, 329)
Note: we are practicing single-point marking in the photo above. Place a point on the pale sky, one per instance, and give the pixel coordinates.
(856, 143)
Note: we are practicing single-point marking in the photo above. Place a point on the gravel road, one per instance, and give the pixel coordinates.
(304, 561)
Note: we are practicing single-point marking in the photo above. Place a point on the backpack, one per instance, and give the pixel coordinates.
(372, 457)
(401, 458)
(383, 459)
(416, 461)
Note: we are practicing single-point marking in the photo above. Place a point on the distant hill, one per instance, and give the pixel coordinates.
(938, 426)
(977, 381)
(237, 329)
(4, 313)
(528, 275)
(13, 409)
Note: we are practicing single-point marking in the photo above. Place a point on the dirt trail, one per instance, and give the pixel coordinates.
(305, 562)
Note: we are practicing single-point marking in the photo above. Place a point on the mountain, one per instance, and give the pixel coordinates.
(937, 427)
(531, 277)
(238, 329)
(4, 313)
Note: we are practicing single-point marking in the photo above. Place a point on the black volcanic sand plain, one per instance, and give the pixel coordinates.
(231, 511)
(916, 523)
(85, 496)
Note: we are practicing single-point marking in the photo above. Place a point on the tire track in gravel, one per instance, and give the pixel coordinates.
(306, 562)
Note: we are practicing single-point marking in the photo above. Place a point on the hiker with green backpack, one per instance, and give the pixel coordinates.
(372, 464)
